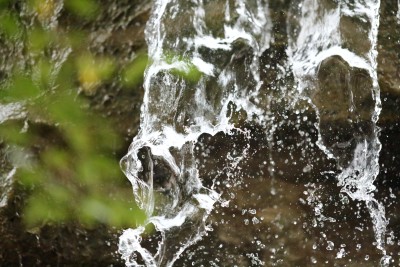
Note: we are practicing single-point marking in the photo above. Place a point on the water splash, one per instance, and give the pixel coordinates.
(336, 70)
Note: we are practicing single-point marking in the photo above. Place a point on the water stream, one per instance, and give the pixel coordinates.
(205, 70)
(206, 81)
(196, 74)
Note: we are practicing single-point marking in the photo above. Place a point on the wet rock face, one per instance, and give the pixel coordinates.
(343, 99)
(343, 92)
(353, 33)
(156, 172)
(50, 245)
(267, 220)
(388, 48)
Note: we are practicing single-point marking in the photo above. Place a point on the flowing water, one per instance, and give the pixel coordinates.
(206, 94)
(258, 141)
(191, 84)
(322, 48)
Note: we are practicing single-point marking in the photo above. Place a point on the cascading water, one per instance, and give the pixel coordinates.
(189, 85)
(206, 78)
(328, 59)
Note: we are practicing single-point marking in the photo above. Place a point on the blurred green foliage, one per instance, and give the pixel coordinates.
(130, 77)
(69, 164)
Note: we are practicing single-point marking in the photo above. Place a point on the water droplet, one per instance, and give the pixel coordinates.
(341, 253)
(307, 168)
(313, 260)
(330, 246)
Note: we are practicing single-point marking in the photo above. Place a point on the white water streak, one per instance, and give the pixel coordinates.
(317, 36)
(398, 11)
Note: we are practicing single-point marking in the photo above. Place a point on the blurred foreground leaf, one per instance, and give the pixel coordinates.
(9, 24)
(92, 71)
(83, 8)
(73, 171)
(133, 74)
(19, 89)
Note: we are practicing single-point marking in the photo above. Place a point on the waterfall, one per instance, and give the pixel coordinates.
(199, 68)
(205, 69)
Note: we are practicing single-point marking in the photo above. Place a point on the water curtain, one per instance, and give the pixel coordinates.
(205, 68)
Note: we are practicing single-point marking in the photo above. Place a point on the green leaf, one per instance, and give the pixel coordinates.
(60, 194)
(4, 4)
(38, 39)
(93, 209)
(98, 169)
(132, 76)
(92, 71)
(9, 24)
(56, 158)
(64, 108)
(84, 8)
(41, 208)
(125, 214)
(43, 73)
(11, 133)
(19, 89)
(30, 178)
